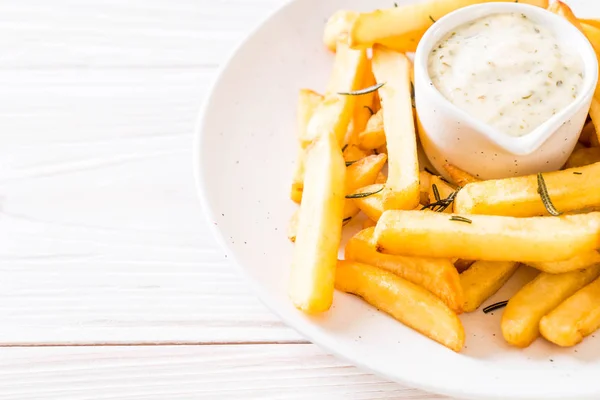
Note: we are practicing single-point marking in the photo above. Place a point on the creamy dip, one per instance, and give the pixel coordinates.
(507, 71)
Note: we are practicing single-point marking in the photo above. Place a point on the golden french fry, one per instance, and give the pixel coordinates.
(293, 226)
(337, 27)
(335, 112)
(373, 136)
(368, 223)
(363, 107)
(381, 178)
(437, 275)
(408, 303)
(460, 177)
(441, 189)
(350, 67)
(580, 261)
(402, 188)
(584, 156)
(483, 279)
(298, 178)
(570, 190)
(521, 318)
(576, 318)
(588, 136)
(595, 112)
(319, 227)
(372, 205)
(592, 22)
(353, 153)
(424, 185)
(382, 26)
(358, 175)
(308, 101)
(483, 237)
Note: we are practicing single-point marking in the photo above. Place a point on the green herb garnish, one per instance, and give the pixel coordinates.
(495, 306)
(360, 92)
(349, 163)
(577, 173)
(412, 95)
(347, 219)
(370, 110)
(458, 218)
(345, 147)
(543, 192)
(436, 192)
(432, 20)
(441, 205)
(363, 195)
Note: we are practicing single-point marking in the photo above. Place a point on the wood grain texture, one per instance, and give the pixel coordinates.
(188, 372)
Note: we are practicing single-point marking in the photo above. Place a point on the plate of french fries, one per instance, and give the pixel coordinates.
(327, 204)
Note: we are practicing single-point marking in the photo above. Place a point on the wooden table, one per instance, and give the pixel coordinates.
(112, 286)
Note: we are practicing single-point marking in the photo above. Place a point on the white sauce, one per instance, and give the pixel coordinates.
(506, 71)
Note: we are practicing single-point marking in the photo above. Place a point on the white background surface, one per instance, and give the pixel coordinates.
(111, 286)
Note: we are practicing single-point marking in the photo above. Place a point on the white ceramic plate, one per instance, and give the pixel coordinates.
(245, 152)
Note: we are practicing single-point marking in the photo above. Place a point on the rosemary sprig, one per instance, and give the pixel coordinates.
(458, 218)
(543, 192)
(432, 20)
(349, 163)
(495, 306)
(363, 195)
(345, 147)
(360, 92)
(442, 204)
(412, 95)
(577, 173)
(436, 192)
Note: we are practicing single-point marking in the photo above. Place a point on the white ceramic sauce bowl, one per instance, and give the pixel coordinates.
(450, 135)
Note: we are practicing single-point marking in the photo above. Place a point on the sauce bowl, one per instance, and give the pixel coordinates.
(450, 135)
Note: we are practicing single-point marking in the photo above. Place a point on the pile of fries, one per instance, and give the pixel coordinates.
(431, 248)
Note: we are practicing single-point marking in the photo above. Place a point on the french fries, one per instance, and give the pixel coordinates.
(413, 263)
(363, 107)
(576, 318)
(308, 101)
(580, 261)
(402, 188)
(595, 112)
(372, 205)
(483, 237)
(383, 25)
(319, 227)
(460, 177)
(373, 136)
(293, 226)
(408, 303)
(437, 275)
(439, 190)
(337, 27)
(353, 153)
(570, 190)
(583, 157)
(522, 316)
(335, 112)
(358, 175)
(483, 279)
